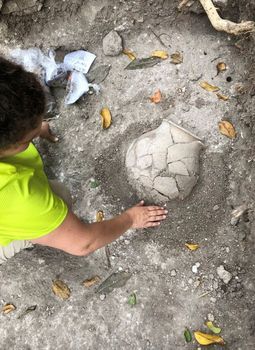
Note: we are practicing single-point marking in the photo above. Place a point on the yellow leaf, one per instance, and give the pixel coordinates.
(192, 246)
(8, 308)
(227, 129)
(208, 87)
(221, 66)
(156, 98)
(61, 289)
(222, 97)
(106, 118)
(91, 281)
(130, 54)
(207, 339)
(176, 58)
(99, 216)
(160, 54)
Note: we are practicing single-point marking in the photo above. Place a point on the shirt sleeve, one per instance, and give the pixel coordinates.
(34, 211)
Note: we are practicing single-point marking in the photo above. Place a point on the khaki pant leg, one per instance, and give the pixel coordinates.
(11, 249)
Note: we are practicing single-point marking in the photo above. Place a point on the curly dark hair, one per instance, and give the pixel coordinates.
(22, 103)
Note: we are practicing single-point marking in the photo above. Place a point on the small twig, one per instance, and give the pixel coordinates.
(224, 25)
(158, 38)
(182, 4)
(108, 254)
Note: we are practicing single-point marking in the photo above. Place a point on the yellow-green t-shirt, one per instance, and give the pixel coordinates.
(28, 207)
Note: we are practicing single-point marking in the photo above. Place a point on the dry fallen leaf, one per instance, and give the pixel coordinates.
(61, 289)
(227, 129)
(99, 216)
(207, 339)
(106, 118)
(222, 97)
(208, 87)
(156, 98)
(192, 246)
(215, 330)
(176, 58)
(8, 308)
(221, 66)
(130, 54)
(160, 54)
(91, 281)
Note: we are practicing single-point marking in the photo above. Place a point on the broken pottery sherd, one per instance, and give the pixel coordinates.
(163, 164)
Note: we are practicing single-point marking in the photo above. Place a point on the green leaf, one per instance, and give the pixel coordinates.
(94, 184)
(132, 299)
(115, 280)
(215, 330)
(143, 63)
(187, 335)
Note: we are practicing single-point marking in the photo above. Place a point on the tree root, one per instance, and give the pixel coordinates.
(224, 25)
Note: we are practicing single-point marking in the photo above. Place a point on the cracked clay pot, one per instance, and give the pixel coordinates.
(163, 164)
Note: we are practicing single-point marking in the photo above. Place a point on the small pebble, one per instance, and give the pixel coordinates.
(213, 300)
(216, 207)
(190, 281)
(227, 249)
(194, 269)
(102, 297)
(173, 273)
(210, 317)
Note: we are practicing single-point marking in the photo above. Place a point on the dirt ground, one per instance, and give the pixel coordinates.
(170, 296)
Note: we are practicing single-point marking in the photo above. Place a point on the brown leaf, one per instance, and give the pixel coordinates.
(106, 118)
(91, 281)
(227, 129)
(208, 87)
(160, 54)
(222, 97)
(130, 54)
(176, 58)
(61, 289)
(156, 98)
(207, 339)
(8, 308)
(192, 246)
(221, 66)
(99, 216)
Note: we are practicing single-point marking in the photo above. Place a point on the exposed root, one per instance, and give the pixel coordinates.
(223, 25)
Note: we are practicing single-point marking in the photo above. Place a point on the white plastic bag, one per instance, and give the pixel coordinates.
(79, 60)
(77, 85)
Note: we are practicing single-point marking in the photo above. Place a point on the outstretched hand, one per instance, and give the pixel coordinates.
(146, 216)
(46, 133)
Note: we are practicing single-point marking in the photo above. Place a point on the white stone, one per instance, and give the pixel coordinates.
(102, 297)
(178, 168)
(166, 186)
(194, 269)
(173, 273)
(144, 162)
(161, 168)
(112, 44)
(223, 274)
(179, 151)
(210, 317)
(142, 147)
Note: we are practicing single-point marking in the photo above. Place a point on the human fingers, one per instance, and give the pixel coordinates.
(152, 224)
(140, 204)
(157, 212)
(154, 207)
(156, 218)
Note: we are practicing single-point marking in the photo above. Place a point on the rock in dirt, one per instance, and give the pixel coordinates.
(112, 44)
(223, 274)
(25, 6)
(164, 163)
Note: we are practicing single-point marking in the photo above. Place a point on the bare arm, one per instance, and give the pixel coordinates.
(77, 238)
